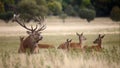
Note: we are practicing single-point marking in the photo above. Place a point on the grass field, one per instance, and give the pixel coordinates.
(56, 33)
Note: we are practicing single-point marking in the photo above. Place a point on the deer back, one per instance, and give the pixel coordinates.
(45, 46)
(75, 45)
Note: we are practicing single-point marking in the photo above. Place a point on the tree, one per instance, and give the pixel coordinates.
(103, 7)
(55, 8)
(63, 16)
(2, 7)
(70, 11)
(115, 13)
(5, 11)
(87, 14)
(29, 9)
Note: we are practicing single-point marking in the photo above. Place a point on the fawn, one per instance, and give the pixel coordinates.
(97, 41)
(78, 45)
(65, 45)
(21, 49)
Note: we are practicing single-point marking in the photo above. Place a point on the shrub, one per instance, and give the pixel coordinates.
(87, 14)
(115, 13)
(6, 16)
(29, 9)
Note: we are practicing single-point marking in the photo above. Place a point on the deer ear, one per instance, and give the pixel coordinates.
(70, 40)
(102, 36)
(81, 33)
(77, 34)
(99, 35)
(28, 32)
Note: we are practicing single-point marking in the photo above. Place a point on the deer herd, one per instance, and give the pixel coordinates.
(31, 42)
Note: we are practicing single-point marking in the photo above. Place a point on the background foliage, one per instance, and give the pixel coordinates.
(30, 8)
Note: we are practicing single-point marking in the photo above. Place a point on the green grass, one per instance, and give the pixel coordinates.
(54, 58)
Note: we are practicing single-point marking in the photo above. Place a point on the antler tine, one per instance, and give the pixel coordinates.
(42, 28)
(22, 24)
(32, 28)
(35, 27)
(41, 19)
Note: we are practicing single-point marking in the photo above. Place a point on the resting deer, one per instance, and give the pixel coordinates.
(97, 41)
(45, 46)
(31, 41)
(65, 45)
(78, 45)
(21, 49)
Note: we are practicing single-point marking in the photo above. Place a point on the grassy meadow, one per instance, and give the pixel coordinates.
(109, 57)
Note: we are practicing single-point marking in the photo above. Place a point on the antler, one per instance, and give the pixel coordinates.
(39, 19)
(22, 24)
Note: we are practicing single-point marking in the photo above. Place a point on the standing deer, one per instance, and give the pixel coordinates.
(78, 45)
(65, 45)
(97, 41)
(31, 41)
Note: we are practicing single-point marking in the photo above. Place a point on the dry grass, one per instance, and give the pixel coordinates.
(57, 59)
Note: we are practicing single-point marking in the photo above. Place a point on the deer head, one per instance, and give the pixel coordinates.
(99, 39)
(81, 37)
(34, 33)
(65, 45)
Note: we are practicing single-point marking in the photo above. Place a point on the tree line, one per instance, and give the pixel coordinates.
(86, 9)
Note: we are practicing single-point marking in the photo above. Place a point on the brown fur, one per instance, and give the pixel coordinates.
(25, 45)
(65, 45)
(74, 45)
(97, 41)
(45, 46)
(31, 44)
(21, 49)
(78, 45)
(62, 46)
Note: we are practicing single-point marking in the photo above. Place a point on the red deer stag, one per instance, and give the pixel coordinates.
(31, 41)
(97, 41)
(65, 45)
(78, 45)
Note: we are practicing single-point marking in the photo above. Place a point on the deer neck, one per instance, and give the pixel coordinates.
(30, 40)
(80, 41)
(99, 43)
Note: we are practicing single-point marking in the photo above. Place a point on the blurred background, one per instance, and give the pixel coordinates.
(85, 9)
